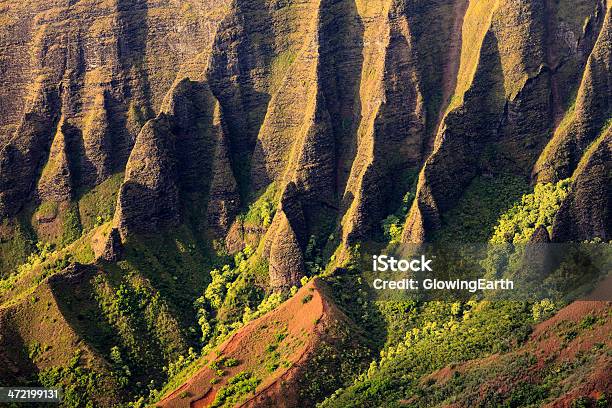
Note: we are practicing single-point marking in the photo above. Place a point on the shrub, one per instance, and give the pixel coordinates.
(230, 362)
(536, 209)
(393, 225)
(237, 386)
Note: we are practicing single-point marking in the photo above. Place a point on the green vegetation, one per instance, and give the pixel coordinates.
(442, 334)
(228, 299)
(17, 241)
(97, 206)
(237, 387)
(270, 302)
(475, 215)
(263, 209)
(393, 225)
(534, 210)
(79, 385)
(279, 67)
(71, 228)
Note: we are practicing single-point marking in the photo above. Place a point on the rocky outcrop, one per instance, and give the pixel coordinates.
(148, 198)
(179, 163)
(110, 63)
(586, 212)
(22, 158)
(97, 159)
(55, 183)
(505, 101)
(223, 199)
(287, 241)
(592, 109)
(112, 248)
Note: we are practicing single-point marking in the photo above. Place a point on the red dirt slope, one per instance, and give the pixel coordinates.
(274, 348)
(560, 343)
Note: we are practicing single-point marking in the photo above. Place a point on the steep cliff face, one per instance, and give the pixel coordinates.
(585, 214)
(342, 100)
(96, 70)
(179, 157)
(516, 69)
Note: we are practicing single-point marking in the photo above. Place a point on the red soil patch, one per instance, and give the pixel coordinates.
(299, 319)
(550, 344)
(598, 382)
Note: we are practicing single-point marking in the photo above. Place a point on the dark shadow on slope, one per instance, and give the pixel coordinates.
(341, 32)
(241, 59)
(470, 129)
(16, 368)
(117, 318)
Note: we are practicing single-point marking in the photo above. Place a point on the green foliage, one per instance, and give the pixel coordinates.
(35, 350)
(43, 253)
(477, 211)
(350, 294)
(334, 364)
(393, 225)
(181, 363)
(97, 206)
(306, 298)
(71, 228)
(14, 246)
(542, 310)
(441, 334)
(602, 401)
(237, 386)
(263, 209)
(230, 362)
(147, 336)
(270, 302)
(228, 300)
(217, 289)
(314, 260)
(353, 257)
(80, 386)
(536, 209)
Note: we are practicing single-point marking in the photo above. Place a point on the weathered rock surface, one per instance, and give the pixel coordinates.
(179, 163)
(592, 110)
(103, 67)
(204, 106)
(287, 241)
(507, 98)
(148, 199)
(586, 213)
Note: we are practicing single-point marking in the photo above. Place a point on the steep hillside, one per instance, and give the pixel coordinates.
(289, 357)
(565, 362)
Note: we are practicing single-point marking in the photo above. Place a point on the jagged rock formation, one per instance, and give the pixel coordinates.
(287, 241)
(586, 213)
(516, 75)
(297, 127)
(182, 152)
(103, 67)
(335, 102)
(148, 199)
(112, 248)
(593, 108)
